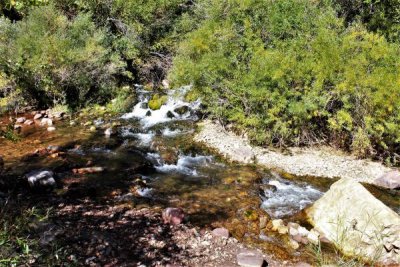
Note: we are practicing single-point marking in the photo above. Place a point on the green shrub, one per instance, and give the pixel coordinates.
(123, 101)
(290, 73)
(144, 32)
(382, 16)
(55, 60)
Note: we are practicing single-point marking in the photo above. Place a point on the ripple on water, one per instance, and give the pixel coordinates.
(187, 165)
(287, 197)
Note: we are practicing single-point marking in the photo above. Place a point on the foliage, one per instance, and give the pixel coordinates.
(143, 32)
(123, 101)
(9, 134)
(18, 244)
(16, 9)
(382, 16)
(55, 60)
(291, 73)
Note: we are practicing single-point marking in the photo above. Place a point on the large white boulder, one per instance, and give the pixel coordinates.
(357, 223)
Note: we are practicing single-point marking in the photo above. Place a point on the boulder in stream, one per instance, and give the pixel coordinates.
(40, 178)
(182, 110)
(357, 223)
(390, 180)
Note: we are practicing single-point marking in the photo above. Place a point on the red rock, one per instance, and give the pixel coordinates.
(88, 170)
(221, 232)
(173, 216)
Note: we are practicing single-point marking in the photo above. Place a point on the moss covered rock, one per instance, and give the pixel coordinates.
(157, 101)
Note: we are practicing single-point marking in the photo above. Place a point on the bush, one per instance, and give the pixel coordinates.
(143, 32)
(53, 60)
(382, 16)
(290, 73)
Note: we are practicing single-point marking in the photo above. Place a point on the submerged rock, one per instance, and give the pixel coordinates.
(88, 170)
(173, 216)
(40, 178)
(28, 122)
(182, 110)
(390, 180)
(357, 223)
(51, 129)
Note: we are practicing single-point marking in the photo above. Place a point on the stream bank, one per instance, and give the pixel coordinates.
(317, 162)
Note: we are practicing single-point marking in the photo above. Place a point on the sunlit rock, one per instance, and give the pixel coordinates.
(356, 222)
(390, 180)
(40, 178)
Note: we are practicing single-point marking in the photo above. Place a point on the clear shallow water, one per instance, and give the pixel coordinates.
(285, 198)
(288, 197)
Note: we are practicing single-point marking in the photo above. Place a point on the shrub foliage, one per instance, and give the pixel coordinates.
(291, 73)
(56, 60)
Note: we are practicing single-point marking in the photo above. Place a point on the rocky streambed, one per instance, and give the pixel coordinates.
(114, 177)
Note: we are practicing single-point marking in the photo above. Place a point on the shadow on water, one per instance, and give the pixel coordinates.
(88, 220)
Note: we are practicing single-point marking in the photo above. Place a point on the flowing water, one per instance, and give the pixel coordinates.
(156, 148)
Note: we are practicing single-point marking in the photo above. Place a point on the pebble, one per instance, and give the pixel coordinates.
(51, 129)
(293, 244)
(21, 120)
(221, 232)
(38, 116)
(46, 121)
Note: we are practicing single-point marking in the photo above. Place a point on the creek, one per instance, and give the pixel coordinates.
(152, 157)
